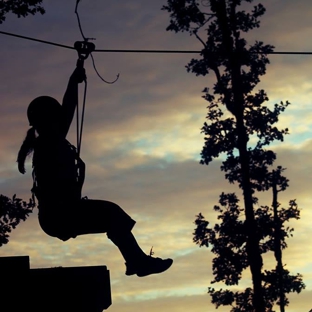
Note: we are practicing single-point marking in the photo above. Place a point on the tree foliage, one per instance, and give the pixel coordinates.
(21, 8)
(240, 126)
(228, 243)
(12, 212)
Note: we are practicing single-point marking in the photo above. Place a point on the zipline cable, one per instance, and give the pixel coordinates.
(193, 52)
(145, 51)
(37, 40)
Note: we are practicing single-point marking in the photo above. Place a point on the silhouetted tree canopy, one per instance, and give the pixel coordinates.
(21, 8)
(12, 212)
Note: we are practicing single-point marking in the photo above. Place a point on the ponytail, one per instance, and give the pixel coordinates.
(26, 149)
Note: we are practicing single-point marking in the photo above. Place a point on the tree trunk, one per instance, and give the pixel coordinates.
(253, 251)
(252, 245)
(277, 245)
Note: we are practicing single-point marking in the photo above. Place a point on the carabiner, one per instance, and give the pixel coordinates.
(84, 48)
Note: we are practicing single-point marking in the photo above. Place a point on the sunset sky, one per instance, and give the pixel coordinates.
(142, 141)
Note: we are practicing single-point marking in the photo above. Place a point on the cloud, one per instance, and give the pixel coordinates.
(142, 141)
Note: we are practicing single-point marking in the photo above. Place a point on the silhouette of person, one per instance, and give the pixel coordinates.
(58, 175)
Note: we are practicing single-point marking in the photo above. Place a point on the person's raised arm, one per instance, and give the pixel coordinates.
(70, 99)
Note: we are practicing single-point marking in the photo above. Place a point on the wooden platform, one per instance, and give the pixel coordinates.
(62, 289)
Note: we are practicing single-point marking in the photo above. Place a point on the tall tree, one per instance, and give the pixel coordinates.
(21, 8)
(239, 241)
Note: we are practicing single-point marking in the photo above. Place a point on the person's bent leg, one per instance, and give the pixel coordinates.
(99, 216)
(91, 216)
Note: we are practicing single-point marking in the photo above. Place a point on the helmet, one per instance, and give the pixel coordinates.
(44, 109)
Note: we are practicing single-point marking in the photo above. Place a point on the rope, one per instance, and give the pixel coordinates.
(82, 118)
(79, 24)
(108, 82)
(79, 131)
(82, 57)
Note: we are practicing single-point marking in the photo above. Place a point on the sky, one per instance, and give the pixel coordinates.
(142, 142)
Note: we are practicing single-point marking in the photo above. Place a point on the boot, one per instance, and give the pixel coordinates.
(137, 262)
(148, 265)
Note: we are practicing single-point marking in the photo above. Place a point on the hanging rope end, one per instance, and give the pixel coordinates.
(117, 77)
(108, 82)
